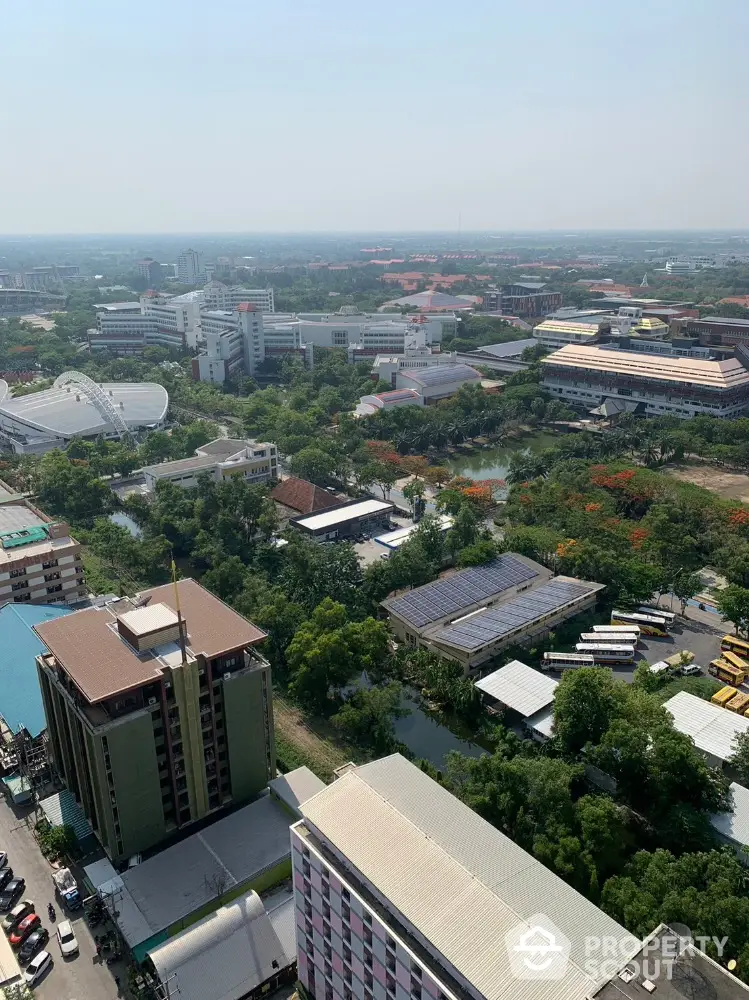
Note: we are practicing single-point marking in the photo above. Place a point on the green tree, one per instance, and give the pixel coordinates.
(414, 491)
(739, 759)
(313, 464)
(584, 707)
(733, 604)
(368, 716)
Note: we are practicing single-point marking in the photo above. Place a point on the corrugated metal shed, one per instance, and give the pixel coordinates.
(734, 825)
(231, 952)
(455, 878)
(519, 687)
(340, 515)
(712, 728)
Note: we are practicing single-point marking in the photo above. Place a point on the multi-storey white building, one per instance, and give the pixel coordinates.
(126, 328)
(222, 459)
(39, 561)
(404, 893)
(190, 269)
(233, 342)
(217, 295)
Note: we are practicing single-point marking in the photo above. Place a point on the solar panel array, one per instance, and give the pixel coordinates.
(493, 624)
(463, 590)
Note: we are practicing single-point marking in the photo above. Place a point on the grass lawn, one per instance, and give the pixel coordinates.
(301, 739)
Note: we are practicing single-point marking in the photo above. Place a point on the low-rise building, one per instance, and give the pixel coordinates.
(645, 383)
(370, 404)
(159, 712)
(393, 540)
(715, 331)
(712, 728)
(555, 333)
(222, 459)
(40, 562)
(472, 615)
(436, 382)
(344, 520)
(525, 299)
(297, 496)
(732, 827)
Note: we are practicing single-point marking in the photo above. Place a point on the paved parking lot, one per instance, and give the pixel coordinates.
(700, 637)
(79, 978)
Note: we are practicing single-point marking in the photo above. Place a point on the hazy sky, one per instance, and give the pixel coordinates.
(289, 115)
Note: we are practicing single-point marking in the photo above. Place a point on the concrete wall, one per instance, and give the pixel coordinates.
(135, 774)
(248, 730)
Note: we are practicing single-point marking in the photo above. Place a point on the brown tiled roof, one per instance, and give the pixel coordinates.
(303, 496)
(101, 664)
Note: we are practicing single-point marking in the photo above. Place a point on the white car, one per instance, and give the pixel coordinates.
(66, 939)
(37, 967)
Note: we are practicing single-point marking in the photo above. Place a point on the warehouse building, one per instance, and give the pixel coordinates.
(472, 615)
(732, 828)
(345, 520)
(242, 951)
(526, 692)
(436, 381)
(712, 728)
(650, 384)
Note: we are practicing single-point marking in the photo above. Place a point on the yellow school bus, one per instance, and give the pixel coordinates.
(723, 696)
(739, 704)
(735, 645)
(726, 673)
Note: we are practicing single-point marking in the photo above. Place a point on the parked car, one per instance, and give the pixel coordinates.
(6, 874)
(67, 939)
(37, 967)
(36, 940)
(3, 859)
(691, 670)
(9, 895)
(27, 925)
(16, 915)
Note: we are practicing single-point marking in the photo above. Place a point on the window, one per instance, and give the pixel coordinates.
(308, 928)
(345, 912)
(305, 852)
(325, 872)
(368, 958)
(415, 969)
(390, 985)
(416, 989)
(369, 981)
(307, 889)
(326, 911)
(328, 992)
(305, 867)
(347, 954)
(310, 947)
(328, 951)
(326, 931)
(390, 961)
(346, 894)
(307, 908)
(328, 970)
(17, 572)
(347, 974)
(347, 934)
(390, 942)
(326, 890)
(347, 994)
(367, 918)
(367, 936)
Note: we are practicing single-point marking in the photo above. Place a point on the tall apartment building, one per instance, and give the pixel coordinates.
(40, 563)
(217, 295)
(190, 269)
(404, 893)
(155, 721)
(151, 270)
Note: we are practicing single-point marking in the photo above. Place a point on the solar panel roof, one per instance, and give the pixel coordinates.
(495, 623)
(461, 591)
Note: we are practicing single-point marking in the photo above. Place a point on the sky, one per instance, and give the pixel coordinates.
(346, 115)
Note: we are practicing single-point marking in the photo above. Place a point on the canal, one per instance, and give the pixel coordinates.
(426, 737)
(494, 461)
(125, 521)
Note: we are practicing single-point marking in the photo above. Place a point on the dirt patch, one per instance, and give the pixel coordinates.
(729, 485)
(297, 742)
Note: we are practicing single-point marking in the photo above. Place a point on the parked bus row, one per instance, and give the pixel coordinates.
(735, 701)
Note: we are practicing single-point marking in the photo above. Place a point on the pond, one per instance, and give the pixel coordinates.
(493, 462)
(426, 737)
(125, 521)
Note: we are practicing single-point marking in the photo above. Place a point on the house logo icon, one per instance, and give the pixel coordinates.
(537, 949)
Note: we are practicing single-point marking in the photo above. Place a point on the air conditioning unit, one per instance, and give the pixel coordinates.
(227, 675)
(152, 701)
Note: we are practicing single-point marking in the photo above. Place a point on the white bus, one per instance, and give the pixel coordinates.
(659, 613)
(648, 624)
(566, 661)
(607, 652)
(623, 638)
(618, 629)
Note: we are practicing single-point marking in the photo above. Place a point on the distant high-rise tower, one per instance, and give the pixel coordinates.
(644, 282)
(190, 269)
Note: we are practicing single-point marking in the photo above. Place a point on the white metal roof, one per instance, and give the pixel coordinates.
(734, 825)
(433, 858)
(519, 687)
(394, 539)
(712, 728)
(296, 787)
(542, 722)
(339, 515)
(231, 952)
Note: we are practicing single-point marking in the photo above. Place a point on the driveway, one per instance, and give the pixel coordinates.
(79, 978)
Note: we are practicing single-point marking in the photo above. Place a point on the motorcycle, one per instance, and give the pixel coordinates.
(51, 911)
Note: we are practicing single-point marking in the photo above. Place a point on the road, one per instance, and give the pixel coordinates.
(79, 978)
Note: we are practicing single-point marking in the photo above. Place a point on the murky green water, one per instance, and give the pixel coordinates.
(492, 463)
